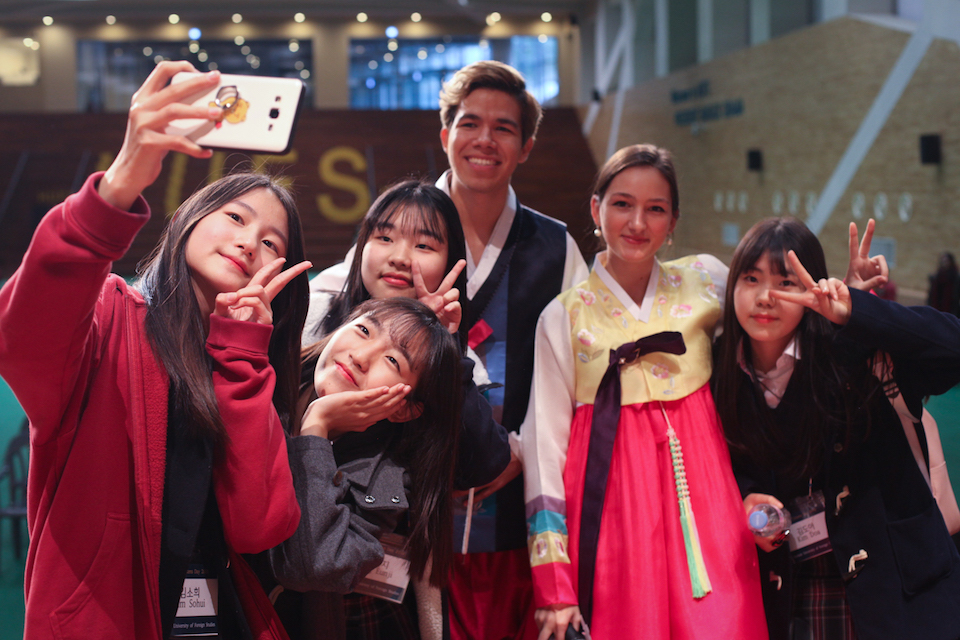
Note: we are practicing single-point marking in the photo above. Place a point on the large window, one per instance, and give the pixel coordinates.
(401, 73)
(108, 73)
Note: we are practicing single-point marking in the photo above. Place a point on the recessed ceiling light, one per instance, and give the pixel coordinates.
(361, 17)
(237, 18)
(299, 17)
(111, 19)
(173, 18)
(48, 20)
(415, 17)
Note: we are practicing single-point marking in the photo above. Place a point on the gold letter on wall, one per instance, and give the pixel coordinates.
(351, 184)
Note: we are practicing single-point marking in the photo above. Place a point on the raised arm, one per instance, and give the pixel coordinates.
(49, 305)
(923, 342)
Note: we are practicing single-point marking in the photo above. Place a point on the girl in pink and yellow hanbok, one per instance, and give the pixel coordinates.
(636, 526)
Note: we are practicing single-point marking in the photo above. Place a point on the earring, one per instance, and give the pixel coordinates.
(597, 232)
(669, 239)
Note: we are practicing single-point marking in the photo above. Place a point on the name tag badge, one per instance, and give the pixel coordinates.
(197, 611)
(808, 533)
(389, 581)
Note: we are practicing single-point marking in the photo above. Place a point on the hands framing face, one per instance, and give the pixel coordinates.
(339, 413)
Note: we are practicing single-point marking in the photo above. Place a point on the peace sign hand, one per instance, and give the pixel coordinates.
(252, 302)
(830, 298)
(865, 273)
(445, 300)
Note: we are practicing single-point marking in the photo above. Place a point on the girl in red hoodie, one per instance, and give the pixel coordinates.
(157, 451)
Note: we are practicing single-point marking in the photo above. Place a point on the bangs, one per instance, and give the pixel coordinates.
(775, 237)
(413, 338)
(415, 219)
(410, 329)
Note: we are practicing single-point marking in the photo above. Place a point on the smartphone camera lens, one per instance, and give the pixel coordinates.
(274, 113)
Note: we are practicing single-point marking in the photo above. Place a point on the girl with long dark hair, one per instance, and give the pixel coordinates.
(396, 474)
(636, 525)
(157, 452)
(805, 380)
(411, 213)
(410, 245)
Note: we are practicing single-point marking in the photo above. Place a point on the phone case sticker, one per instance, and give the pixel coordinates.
(234, 107)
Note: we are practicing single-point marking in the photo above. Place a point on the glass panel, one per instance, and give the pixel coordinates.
(406, 73)
(108, 73)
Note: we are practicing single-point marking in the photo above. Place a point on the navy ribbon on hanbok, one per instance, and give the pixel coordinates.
(603, 432)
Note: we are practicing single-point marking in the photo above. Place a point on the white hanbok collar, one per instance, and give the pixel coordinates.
(641, 312)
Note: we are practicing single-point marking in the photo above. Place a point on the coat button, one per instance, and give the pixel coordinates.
(338, 478)
(369, 499)
(838, 447)
(395, 499)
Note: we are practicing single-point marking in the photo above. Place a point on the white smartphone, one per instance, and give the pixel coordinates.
(259, 113)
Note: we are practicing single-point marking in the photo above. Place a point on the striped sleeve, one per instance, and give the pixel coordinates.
(545, 437)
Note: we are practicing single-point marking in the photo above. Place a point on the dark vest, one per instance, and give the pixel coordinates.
(535, 253)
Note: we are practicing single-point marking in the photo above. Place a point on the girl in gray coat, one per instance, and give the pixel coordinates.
(393, 363)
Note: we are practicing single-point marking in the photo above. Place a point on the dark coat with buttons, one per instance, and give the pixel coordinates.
(345, 509)
(350, 492)
(908, 586)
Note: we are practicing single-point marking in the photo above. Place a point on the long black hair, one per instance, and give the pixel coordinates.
(174, 323)
(833, 391)
(420, 206)
(428, 445)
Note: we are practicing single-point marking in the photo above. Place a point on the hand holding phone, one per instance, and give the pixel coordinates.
(259, 113)
(573, 634)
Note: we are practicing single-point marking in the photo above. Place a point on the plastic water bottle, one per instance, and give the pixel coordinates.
(767, 520)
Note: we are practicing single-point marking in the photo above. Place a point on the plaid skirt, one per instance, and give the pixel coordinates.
(820, 609)
(370, 618)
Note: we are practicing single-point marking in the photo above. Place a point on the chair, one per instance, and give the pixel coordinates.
(14, 472)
